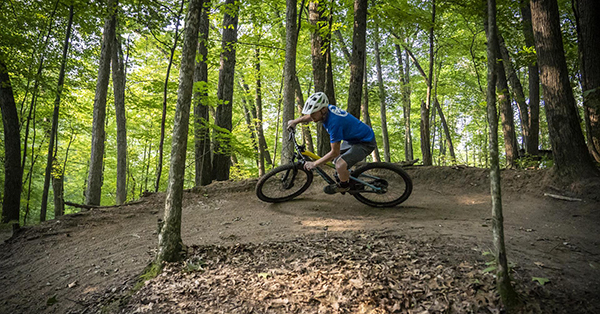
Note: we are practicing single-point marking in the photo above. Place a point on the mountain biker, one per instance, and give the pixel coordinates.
(358, 138)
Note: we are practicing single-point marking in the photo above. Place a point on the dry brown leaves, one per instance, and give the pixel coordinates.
(361, 273)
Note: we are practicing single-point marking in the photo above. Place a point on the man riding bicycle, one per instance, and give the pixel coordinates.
(358, 138)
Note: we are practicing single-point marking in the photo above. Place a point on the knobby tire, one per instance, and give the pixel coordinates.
(396, 181)
(276, 186)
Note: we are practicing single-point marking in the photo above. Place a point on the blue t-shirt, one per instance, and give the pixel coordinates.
(343, 126)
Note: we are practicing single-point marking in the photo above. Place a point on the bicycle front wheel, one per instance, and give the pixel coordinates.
(386, 185)
(283, 183)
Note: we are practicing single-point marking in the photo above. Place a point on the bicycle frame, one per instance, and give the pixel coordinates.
(304, 155)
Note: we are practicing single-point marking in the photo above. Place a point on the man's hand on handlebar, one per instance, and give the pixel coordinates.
(310, 165)
(291, 125)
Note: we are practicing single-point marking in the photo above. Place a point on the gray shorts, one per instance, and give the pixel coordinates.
(353, 153)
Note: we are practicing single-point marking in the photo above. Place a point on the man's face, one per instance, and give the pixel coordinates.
(317, 116)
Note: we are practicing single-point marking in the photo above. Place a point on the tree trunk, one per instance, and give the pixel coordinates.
(12, 149)
(505, 289)
(382, 105)
(343, 46)
(357, 64)
(365, 111)
(571, 157)
(289, 70)
(446, 129)
(306, 136)
(406, 91)
(54, 128)
(222, 148)
(515, 83)
(169, 239)
(58, 190)
(164, 102)
(118, 74)
(534, 83)
(426, 105)
(319, 68)
(262, 143)
(588, 30)
(93, 193)
(202, 152)
(506, 112)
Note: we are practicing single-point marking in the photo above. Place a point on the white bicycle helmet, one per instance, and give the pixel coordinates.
(315, 102)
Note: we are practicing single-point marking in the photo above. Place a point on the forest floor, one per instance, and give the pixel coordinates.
(317, 254)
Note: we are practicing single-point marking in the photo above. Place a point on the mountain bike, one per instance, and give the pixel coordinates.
(377, 184)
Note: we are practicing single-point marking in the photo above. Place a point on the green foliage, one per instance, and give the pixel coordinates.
(540, 280)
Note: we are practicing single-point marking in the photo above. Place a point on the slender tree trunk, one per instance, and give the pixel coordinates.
(289, 69)
(37, 78)
(249, 114)
(357, 64)
(505, 289)
(54, 128)
(382, 96)
(426, 105)
(506, 112)
(406, 91)
(93, 193)
(365, 111)
(343, 46)
(222, 148)
(588, 30)
(515, 83)
(319, 67)
(164, 102)
(118, 73)
(202, 152)
(58, 190)
(12, 149)
(534, 83)
(262, 143)
(446, 129)
(306, 136)
(169, 239)
(571, 157)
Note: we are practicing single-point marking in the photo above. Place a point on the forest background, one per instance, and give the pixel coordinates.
(407, 42)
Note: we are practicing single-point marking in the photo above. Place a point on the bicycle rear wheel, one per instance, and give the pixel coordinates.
(394, 184)
(283, 183)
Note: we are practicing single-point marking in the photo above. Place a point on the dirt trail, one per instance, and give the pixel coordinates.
(67, 265)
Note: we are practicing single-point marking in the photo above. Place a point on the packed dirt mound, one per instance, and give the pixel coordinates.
(89, 262)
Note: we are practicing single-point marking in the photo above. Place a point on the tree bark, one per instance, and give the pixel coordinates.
(222, 148)
(118, 74)
(58, 190)
(382, 96)
(12, 149)
(306, 135)
(265, 156)
(289, 70)
(319, 68)
(169, 239)
(506, 112)
(406, 91)
(161, 143)
(534, 83)
(426, 105)
(54, 128)
(357, 64)
(571, 157)
(93, 193)
(365, 111)
(202, 152)
(517, 88)
(505, 289)
(588, 30)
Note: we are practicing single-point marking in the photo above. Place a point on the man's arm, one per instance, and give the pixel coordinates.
(303, 119)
